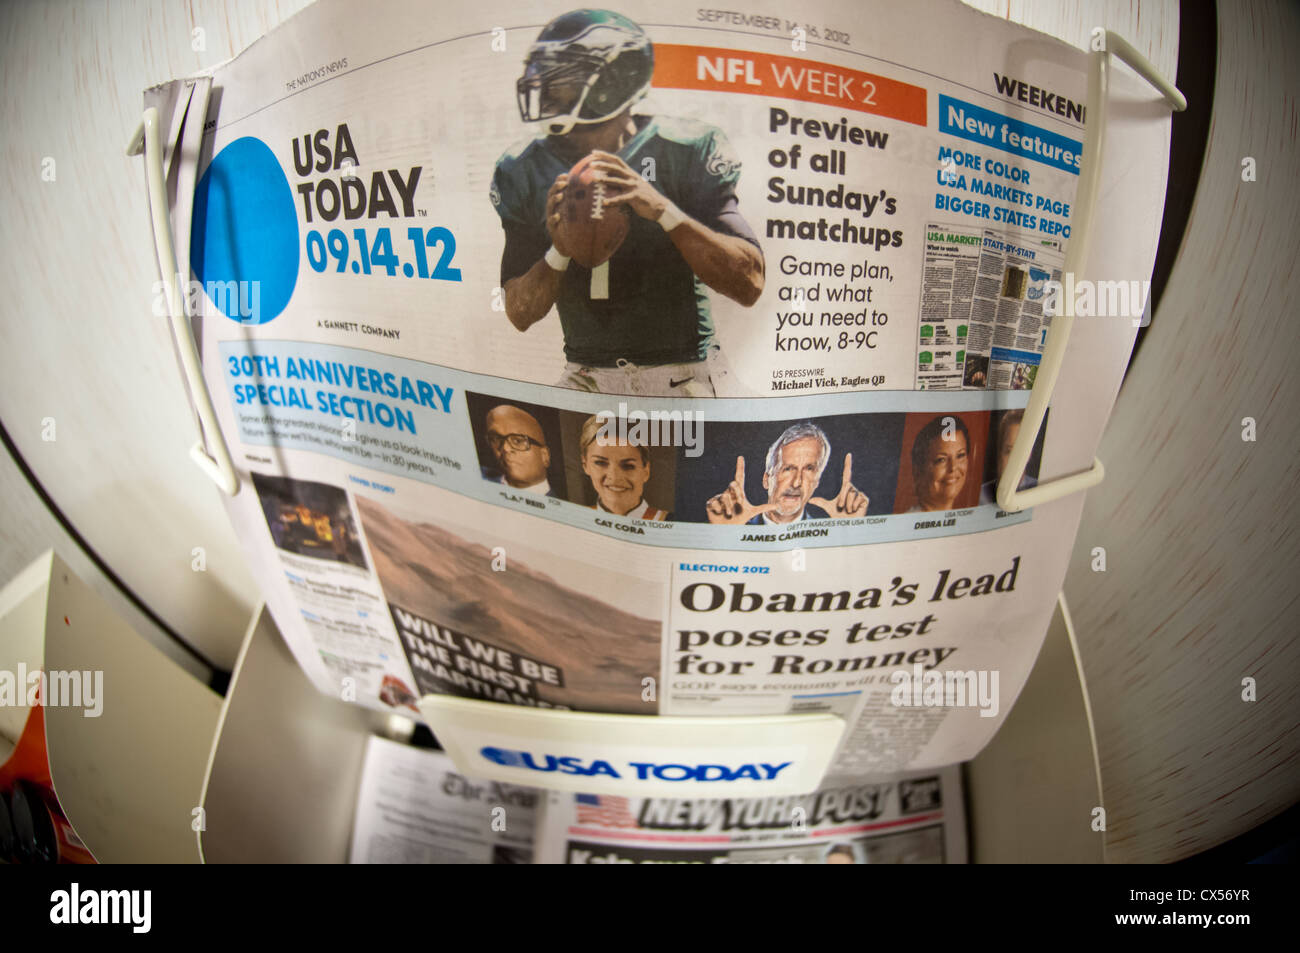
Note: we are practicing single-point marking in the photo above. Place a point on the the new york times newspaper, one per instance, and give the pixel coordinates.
(413, 807)
(658, 359)
(911, 819)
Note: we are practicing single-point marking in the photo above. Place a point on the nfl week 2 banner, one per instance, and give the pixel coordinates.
(659, 359)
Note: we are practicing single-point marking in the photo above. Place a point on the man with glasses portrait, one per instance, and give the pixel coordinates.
(518, 445)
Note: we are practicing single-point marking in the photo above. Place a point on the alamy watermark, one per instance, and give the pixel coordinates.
(240, 300)
(75, 905)
(933, 689)
(654, 428)
(55, 689)
(1100, 299)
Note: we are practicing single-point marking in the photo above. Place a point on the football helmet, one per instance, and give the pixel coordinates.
(584, 67)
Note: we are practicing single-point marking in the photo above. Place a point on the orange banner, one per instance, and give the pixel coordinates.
(786, 77)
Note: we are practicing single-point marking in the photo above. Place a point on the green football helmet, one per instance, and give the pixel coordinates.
(584, 67)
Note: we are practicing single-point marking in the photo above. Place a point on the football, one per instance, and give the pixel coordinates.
(592, 231)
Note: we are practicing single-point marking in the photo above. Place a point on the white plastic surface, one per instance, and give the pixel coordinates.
(635, 755)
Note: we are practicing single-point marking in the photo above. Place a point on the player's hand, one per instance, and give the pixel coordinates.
(554, 222)
(849, 502)
(731, 506)
(625, 187)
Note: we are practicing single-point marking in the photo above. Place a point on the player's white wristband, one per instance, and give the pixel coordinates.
(671, 217)
(555, 260)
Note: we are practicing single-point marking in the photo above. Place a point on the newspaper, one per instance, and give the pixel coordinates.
(744, 462)
(913, 819)
(414, 808)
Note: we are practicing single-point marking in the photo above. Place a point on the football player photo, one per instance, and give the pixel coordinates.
(621, 221)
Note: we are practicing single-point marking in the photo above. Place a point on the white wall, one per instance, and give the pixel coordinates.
(1202, 541)
(78, 341)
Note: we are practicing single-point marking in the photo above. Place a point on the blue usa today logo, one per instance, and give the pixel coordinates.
(641, 770)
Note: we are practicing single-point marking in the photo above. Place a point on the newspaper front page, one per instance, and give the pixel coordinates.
(912, 819)
(658, 360)
(414, 807)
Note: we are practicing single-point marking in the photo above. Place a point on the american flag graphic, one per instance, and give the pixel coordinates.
(604, 810)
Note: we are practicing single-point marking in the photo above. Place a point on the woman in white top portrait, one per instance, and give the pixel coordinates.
(619, 471)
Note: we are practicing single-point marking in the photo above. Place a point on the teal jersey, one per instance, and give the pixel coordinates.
(657, 311)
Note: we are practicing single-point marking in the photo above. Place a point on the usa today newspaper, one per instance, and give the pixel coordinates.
(676, 386)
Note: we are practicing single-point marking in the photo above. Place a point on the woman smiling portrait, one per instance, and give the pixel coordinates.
(618, 470)
(943, 466)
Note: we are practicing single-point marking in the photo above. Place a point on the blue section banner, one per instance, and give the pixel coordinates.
(1015, 357)
(976, 124)
(428, 423)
